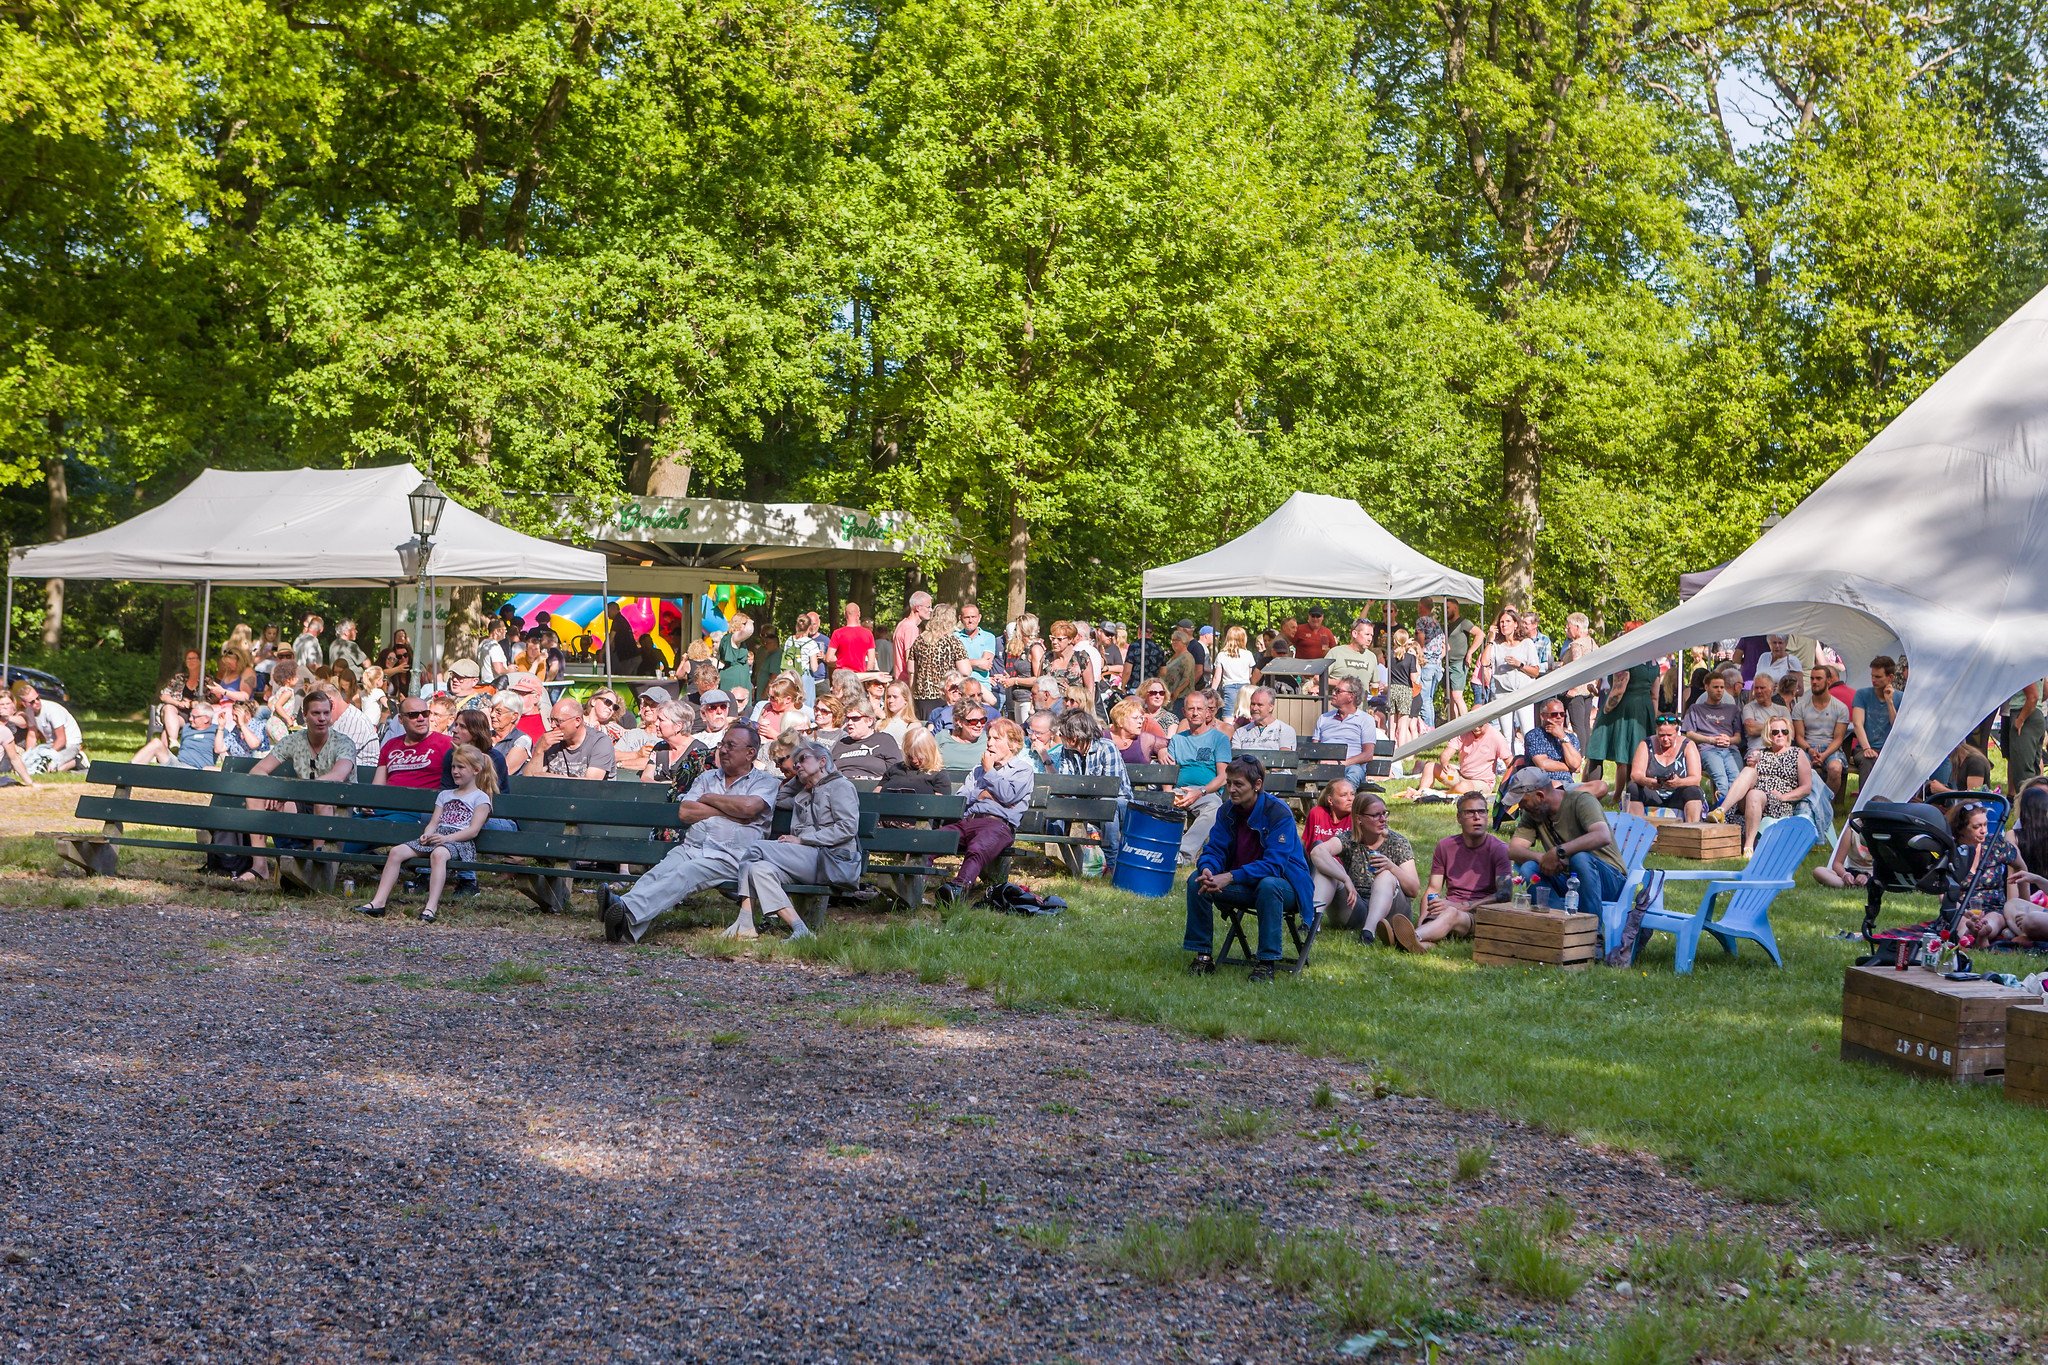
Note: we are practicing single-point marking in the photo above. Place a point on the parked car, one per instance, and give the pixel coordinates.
(47, 684)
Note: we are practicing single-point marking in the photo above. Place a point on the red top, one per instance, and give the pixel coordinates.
(533, 727)
(409, 764)
(1321, 825)
(1313, 642)
(904, 637)
(854, 647)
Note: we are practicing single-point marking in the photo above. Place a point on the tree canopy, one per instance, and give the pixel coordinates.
(1567, 294)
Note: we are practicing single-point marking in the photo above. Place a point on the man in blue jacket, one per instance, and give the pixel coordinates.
(1253, 857)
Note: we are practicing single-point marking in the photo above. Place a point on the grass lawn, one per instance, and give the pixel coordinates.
(1731, 1072)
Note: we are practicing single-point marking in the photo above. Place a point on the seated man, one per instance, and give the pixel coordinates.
(1552, 747)
(314, 754)
(1464, 872)
(56, 743)
(1563, 836)
(728, 809)
(1201, 750)
(204, 740)
(573, 747)
(1264, 730)
(1471, 762)
(1871, 714)
(1714, 723)
(1759, 709)
(1039, 740)
(1252, 857)
(1344, 723)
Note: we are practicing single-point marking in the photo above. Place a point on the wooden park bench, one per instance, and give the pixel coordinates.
(570, 830)
(1059, 803)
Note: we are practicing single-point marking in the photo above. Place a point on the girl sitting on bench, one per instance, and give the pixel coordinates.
(457, 818)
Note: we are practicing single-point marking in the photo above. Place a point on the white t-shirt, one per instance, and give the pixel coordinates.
(453, 811)
(1776, 669)
(1506, 679)
(1820, 721)
(1234, 671)
(50, 716)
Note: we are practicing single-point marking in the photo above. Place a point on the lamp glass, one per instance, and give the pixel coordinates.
(427, 502)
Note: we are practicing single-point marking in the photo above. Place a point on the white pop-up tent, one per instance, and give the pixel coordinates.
(1314, 545)
(1932, 541)
(341, 528)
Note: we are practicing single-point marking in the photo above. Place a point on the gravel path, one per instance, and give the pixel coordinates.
(227, 1135)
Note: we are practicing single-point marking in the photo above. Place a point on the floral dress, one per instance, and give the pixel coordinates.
(1777, 774)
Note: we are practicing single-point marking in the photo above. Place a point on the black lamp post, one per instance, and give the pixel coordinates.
(426, 503)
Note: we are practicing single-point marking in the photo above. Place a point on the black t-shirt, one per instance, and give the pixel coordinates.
(871, 758)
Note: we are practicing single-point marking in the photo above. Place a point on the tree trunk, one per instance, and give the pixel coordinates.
(657, 471)
(860, 587)
(466, 621)
(59, 526)
(1521, 450)
(959, 584)
(170, 644)
(1020, 555)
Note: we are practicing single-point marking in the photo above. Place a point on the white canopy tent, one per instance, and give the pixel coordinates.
(1314, 545)
(342, 528)
(1932, 541)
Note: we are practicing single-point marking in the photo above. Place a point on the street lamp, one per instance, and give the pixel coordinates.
(426, 503)
(1772, 520)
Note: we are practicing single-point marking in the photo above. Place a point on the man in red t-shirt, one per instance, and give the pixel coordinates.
(1464, 872)
(412, 758)
(853, 644)
(1313, 640)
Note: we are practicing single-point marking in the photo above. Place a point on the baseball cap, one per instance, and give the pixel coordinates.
(1185, 623)
(1526, 781)
(1315, 611)
(655, 696)
(714, 698)
(465, 668)
(1207, 630)
(527, 684)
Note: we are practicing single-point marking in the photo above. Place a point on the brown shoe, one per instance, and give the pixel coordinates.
(1403, 930)
(1383, 933)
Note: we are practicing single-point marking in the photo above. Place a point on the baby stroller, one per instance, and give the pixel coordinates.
(1912, 851)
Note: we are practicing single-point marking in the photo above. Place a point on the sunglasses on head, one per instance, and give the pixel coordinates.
(1667, 720)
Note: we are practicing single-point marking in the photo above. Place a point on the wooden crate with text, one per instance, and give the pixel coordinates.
(1503, 934)
(1702, 840)
(1921, 1023)
(2026, 1054)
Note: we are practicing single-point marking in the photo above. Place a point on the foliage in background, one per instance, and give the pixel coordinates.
(1568, 296)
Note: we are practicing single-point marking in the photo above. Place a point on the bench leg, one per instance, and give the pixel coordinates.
(813, 908)
(551, 894)
(95, 856)
(309, 875)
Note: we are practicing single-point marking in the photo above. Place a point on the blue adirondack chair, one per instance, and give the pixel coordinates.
(1633, 837)
(1747, 913)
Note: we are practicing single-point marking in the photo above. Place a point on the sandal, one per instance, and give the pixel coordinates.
(426, 914)
(1203, 965)
(372, 909)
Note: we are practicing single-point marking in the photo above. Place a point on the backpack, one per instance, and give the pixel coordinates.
(1017, 899)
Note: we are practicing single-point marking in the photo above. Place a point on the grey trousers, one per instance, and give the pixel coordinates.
(769, 864)
(1201, 819)
(679, 876)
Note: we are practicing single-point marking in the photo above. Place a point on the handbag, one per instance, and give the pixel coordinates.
(1631, 940)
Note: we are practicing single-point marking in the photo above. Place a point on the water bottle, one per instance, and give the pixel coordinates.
(1571, 895)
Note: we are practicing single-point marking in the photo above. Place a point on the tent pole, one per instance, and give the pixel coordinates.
(7, 633)
(1144, 623)
(604, 616)
(205, 616)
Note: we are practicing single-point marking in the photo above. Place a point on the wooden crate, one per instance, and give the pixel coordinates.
(2026, 1054)
(1502, 934)
(1921, 1024)
(1700, 839)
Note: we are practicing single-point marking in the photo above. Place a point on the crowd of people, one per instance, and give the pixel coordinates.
(746, 721)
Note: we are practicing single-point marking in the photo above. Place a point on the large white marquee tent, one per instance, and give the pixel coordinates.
(1314, 545)
(290, 527)
(1932, 541)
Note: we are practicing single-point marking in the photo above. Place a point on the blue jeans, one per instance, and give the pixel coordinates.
(1113, 839)
(1426, 683)
(399, 817)
(1599, 881)
(1354, 773)
(1723, 767)
(1230, 691)
(1272, 896)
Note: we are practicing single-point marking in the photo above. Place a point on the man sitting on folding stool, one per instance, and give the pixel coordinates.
(1252, 859)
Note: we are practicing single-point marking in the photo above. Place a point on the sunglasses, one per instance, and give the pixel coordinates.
(412, 715)
(1776, 730)
(1667, 720)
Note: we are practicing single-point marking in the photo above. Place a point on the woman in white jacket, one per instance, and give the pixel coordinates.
(822, 847)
